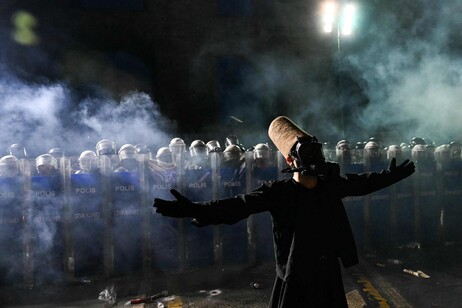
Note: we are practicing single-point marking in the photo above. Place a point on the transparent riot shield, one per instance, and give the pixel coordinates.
(215, 163)
(12, 230)
(198, 242)
(106, 167)
(260, 225)
(164, 231)
(47, 236)
(402, 213)
(86, 220)
(427, 209)
(234, 237)
(377, 219)
(127, 222)
(450, 176)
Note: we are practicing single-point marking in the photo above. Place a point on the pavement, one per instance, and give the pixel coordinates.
(377, 281)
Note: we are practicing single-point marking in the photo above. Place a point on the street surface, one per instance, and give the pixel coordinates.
(378, 281)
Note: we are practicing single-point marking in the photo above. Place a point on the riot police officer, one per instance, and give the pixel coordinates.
(17, 150)
(9, 166)
(128, 161)
(46, 165)
(106, 147)
(198, 155)
(88, 162)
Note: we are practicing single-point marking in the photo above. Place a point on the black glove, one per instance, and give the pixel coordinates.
(405, 169)
(181, 207)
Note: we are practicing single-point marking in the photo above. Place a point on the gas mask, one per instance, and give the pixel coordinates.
(309, 157)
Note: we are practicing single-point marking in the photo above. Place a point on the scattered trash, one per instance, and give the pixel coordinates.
(108, 295)
(215, 292)
(418, 273)
(380, 265)
(149, 299)
(413, 245)
(394, 261)
(170, 302)
(255, 285)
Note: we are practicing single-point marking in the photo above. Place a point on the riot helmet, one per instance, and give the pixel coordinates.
(128, 157)
(372, 151)
(261, 151)
(328, 151)
(419, 153)
(231, 139)
(46, 164)
(57, 153)
(213, 146)
(142, 149)
(376, 140)
(394, 151)
(358, 152)
(406, 150)
(88, 161)
(164, 157)
(9, 166)
(232, 153)
(106, 147)
(417, 140)
(442, 153)
(17, 150)
(343, 152)
(198, 148)
(177, 146)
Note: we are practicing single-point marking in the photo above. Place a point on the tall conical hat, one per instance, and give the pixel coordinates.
(283, 132)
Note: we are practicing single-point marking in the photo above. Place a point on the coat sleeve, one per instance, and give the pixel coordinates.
(364, 183)
(232, 210)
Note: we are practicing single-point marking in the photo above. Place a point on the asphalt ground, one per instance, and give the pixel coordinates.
(377, 281)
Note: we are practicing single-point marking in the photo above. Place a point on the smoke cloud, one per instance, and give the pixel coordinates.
(412, 70)
(42, 117)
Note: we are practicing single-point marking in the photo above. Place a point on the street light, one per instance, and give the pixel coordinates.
(339, 16)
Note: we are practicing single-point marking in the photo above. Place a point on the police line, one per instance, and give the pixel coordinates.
(101, 224)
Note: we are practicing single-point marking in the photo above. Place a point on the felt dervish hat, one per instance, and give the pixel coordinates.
(284, 132)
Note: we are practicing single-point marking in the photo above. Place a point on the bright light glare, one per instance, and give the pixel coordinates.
(329, 11)
(348, 18)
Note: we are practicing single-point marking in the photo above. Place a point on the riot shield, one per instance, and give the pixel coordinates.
(402, 213)
(377, 215)
(12, 230)
(450, 176)
(85, 199)
(427, 209)
(260, 225)
(234, 237)
(164, 231)
(127, 222)
(46, 228)
(198, 242)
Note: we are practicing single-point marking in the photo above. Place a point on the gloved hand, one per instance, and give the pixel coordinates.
(181, 207)
(405, 169)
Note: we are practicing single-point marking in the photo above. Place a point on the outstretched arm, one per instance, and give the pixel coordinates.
(366, 183)
(228, 211)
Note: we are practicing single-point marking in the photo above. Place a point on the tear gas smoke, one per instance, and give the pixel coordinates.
(43, 117)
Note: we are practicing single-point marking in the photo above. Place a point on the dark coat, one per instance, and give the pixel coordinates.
(311, 232)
